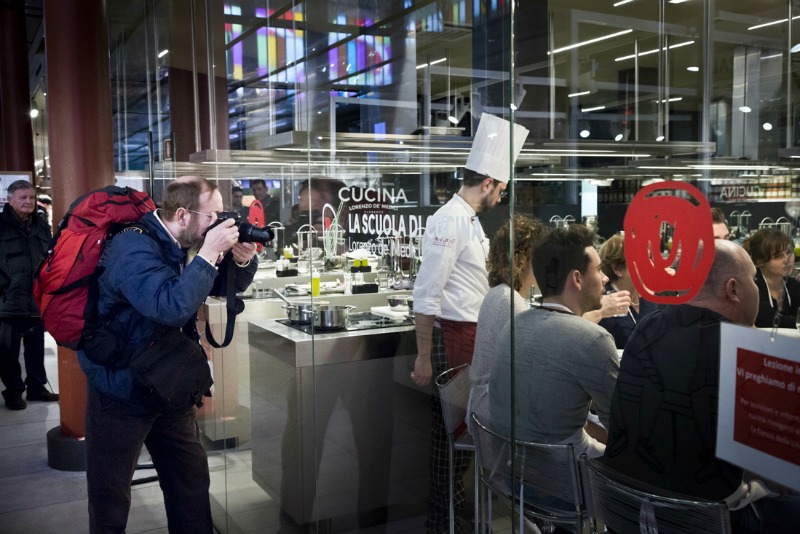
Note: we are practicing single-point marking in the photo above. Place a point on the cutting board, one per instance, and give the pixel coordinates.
(388, 312)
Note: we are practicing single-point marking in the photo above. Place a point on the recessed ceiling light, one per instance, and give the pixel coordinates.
(585, 133)
(693, 69)
(573, 95)
(745, 109)
(618, 137)
(621, 2)
(596, 108)
(767, 126)
(163, 53)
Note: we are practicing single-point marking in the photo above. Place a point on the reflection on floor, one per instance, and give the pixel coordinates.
(37, 499)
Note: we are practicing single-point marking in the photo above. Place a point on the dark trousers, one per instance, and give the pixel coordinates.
(438, 521)
(15, 331)
(115, 432)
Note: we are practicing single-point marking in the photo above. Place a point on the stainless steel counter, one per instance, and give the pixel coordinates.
(338, 429)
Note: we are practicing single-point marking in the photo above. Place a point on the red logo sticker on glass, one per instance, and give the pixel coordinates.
(675, 275)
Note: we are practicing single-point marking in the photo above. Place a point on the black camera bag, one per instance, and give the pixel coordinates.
(172, 372)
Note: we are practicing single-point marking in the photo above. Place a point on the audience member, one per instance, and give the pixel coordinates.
(495, 310)
(664, 410)
(563, 364)
(772, 252)
(237, 195)
(614, 266)
(721, 230)
(24, 240)
(271, 208)
(146, 290)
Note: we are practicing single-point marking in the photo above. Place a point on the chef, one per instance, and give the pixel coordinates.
(450, 287)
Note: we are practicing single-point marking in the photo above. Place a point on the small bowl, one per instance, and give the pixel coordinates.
(396, 301)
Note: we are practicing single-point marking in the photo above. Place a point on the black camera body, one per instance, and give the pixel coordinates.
(247, 232)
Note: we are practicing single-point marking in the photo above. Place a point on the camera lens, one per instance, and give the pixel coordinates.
(253, 234)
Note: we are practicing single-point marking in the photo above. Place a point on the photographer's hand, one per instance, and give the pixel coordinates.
(243, 252)
(219, 240)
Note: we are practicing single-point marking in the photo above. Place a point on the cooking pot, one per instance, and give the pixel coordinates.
(331, 317)
(396, 301)
(302, 312)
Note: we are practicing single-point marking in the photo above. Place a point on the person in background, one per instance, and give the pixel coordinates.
(772, 253)
(24, 240)
(237, 194)
(721, 230)
(612, 262)
(563, 363)
(496, 307)
(448, 292)
(148, 286)
(664, 411)
(270, 207)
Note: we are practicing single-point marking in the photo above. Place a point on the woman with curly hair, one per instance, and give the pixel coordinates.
(496, 308)
(778, 294)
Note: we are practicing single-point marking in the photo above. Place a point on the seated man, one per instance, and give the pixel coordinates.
(664, 411)
(563, 363)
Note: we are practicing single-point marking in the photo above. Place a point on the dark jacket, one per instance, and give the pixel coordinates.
(22, 248)
(767, 305)
(144, 288)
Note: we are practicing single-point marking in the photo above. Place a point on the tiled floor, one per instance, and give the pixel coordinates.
(37, 499)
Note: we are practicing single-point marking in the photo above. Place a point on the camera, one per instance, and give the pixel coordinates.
(247, 232)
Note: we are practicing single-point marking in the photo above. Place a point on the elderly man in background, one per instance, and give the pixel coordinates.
(24, 240)
(664, 411)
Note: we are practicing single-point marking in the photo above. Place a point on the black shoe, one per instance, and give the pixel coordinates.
(16, 403)
(42, 395)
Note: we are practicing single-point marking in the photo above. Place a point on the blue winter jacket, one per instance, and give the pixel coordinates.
(142, 289)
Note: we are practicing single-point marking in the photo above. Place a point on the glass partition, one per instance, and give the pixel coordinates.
(350, 123)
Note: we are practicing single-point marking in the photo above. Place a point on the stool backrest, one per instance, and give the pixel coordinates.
(454, 386)
(545, 477)
(625, 506)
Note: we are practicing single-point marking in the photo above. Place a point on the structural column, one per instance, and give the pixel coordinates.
(15, 127)
(82, 159)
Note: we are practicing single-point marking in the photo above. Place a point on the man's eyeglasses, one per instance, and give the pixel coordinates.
(209, 215)
(504, 192)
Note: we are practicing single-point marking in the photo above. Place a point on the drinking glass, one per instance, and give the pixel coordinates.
(621, 314)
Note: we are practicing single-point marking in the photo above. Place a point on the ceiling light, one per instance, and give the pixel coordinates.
(163, 53)
(660, 138)
(757, 26)
(425, 64)
(693, 69)
(585, 133)
(767, 126)
(573, 95)
(772, 56)
(677, 1)
(618, 137)
(745, 109)
(34, 113)
(596, 108)
(590, 41)
(653, 51)
(795, 49)
(621, 2)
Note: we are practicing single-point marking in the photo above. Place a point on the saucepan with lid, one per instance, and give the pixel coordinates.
(302, 312)
(331, 317)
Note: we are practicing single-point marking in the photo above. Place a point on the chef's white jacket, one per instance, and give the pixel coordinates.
(452, 279)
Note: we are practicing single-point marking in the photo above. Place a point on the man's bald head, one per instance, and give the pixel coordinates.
(729, 288)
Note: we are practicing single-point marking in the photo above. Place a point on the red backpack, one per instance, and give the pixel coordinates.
(62, 281)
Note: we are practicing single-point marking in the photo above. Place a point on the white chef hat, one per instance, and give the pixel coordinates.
(490, 148)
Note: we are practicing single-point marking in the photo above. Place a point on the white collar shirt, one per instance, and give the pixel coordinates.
(452, 279)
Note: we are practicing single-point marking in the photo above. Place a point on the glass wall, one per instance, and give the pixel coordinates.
(358, 118)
